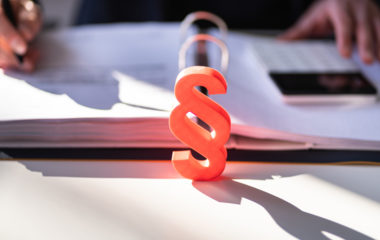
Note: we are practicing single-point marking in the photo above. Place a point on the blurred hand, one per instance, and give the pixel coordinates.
(359, 19)
(28, 17)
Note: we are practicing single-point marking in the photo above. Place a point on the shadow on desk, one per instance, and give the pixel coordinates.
(353, 178)
(290, 218)
(340, 182)
(293, 220)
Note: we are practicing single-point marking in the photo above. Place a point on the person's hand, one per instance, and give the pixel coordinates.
(359, 19)
(28, 17)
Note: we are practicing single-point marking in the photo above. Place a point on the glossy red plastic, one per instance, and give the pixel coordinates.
(210, 145)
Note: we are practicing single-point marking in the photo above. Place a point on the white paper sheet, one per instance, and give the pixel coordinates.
(253, 100)
(85, 69)
(80, 62)
(20, 101)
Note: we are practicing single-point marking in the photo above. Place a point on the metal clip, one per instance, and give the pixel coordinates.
(192, 17)
(203, 37)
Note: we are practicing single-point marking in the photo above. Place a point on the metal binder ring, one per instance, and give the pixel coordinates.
(192, 17)
(203, 37)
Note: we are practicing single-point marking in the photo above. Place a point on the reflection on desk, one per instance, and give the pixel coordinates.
(149, 200)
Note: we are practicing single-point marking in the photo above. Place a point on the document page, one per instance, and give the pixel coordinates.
(100, 65)
(256, 109)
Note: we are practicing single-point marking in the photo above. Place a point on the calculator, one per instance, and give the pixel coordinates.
(312, 71)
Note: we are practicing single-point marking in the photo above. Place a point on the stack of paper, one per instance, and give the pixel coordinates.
(112, 86)
(34, 118)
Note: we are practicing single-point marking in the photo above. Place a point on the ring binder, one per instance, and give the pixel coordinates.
(192, 17)
(202, 59)
(203, 37)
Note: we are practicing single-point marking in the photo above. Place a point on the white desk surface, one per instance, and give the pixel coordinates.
(149, 200)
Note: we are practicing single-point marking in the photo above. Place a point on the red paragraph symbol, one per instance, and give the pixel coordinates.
(210, 145)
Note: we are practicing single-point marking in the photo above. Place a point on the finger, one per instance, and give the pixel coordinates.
(29, 20)
(13, 38)
(364, 34)
(302, 29)
(27, 29)
(30, 60)
(305, 26)
(6, 62)
(341, 18)
(294, 33)
(7, 55)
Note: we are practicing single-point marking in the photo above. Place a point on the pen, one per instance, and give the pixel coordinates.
(9, 13)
